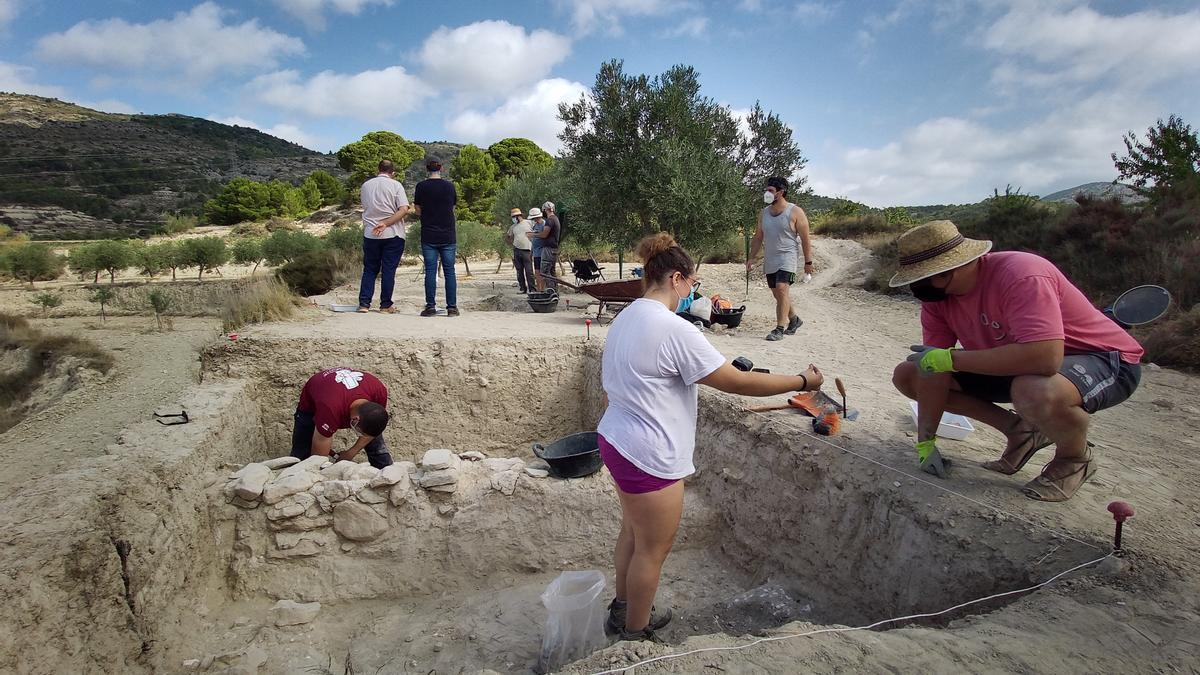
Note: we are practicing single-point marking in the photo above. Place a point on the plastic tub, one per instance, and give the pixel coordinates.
(544, 306)
(573, 456)
(730, 318)
(954, 427)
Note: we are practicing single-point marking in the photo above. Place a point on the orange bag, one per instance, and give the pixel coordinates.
(720, 303)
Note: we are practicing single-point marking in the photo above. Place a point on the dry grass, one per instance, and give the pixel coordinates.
(258, 300)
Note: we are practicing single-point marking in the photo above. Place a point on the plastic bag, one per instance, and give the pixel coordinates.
(701, 307)
(575, 624)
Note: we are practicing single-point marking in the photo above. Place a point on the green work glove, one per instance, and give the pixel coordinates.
(932, 360)
(931, 460)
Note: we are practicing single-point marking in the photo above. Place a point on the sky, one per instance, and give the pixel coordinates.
(893, 102)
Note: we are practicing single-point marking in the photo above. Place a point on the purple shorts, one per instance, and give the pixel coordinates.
(629, 478)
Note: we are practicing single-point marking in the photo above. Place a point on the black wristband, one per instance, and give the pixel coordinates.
(807, 263)
(805, 378)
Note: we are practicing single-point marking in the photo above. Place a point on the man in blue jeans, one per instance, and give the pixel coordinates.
(434, 199)
(384, 207)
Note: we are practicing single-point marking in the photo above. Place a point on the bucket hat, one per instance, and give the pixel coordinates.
(933, 248)
(535, 212)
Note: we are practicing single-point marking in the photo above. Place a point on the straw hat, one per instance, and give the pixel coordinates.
(515, 212)
(933, 248)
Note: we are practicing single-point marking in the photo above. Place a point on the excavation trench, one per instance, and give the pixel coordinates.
(778, 527)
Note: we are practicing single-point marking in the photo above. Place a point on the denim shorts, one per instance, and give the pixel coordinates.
(1102, 378)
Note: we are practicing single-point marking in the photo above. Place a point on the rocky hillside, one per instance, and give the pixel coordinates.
(119, 174)
(1100, 189)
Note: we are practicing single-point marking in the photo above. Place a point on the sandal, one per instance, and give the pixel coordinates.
(1034, 440)
(1046, 489)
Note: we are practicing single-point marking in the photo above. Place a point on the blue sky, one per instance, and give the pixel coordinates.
(893, 102)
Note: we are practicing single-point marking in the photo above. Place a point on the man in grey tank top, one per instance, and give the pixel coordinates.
(782, 234)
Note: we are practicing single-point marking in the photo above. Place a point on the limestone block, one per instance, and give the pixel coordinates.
(390, 475)
(361, 471)
(431, 479)
(401, 492)
(337, 490)
(304, 549)
(243, 504)
(286, 540)
(292, 613)
(505, 482)
(284, 486)
(450, 487)
(371, 496)
(301, 523)
(498, 464)
(438, 459)
(292, 506)
(536, 472)
(472, 456)
(249, 485)
(313, 463)
(280, 462)
(337, 471)
(357, 521)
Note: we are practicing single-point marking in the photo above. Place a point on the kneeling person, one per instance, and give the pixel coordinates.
(342, 398)
(1029, 337)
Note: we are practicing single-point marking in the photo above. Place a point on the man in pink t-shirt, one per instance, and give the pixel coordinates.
(1027, 336)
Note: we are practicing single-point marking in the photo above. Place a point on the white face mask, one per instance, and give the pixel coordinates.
(516, 220)
(768, 197)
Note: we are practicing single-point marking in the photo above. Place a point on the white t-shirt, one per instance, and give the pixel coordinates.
(520, 234)
(382, 196)
(652, 361)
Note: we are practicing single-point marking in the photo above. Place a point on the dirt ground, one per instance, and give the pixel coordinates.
(1142, 615)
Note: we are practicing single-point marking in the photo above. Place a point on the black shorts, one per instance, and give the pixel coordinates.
(1102, 378)
(780, 277)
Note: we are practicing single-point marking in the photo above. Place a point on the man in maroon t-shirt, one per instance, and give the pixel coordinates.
(1028, 337)
(342, 398)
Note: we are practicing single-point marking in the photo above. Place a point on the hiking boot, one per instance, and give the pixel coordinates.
(451, 311)
(616, 618)
(429, 311)
(389, 310)
(644, 635)
(793, 324)
(776, 334)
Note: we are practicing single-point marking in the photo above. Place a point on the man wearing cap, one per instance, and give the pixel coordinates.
(434, 199)
(548, 232)
(1028, 337)
(782, 233)
(518, 237)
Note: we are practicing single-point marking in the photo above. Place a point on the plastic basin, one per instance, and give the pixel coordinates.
(955, 427)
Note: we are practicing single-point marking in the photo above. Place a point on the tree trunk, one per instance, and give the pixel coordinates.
(102, 316)
(201, 274)
(466, 264)
(96, 279)
(172, 274)
(255, 268)
(112, 275)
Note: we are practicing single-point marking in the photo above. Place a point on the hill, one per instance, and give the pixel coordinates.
(1125, 193)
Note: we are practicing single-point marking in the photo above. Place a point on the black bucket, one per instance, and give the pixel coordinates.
(730, 318)
(573, 456)
(544, 306)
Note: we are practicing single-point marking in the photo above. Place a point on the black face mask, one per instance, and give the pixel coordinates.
(925, 291)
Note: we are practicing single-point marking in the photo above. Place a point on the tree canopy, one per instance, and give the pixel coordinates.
(514, 155)
(361, 158)
(1169, 158)
(474, 176)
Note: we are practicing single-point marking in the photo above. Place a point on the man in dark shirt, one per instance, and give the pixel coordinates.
(342, 398)
(434, 199)
(549, 236)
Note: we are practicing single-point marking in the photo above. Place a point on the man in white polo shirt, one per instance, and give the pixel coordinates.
(384, 206)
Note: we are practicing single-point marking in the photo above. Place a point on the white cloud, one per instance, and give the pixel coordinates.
(491, 58)
(197, 45)
(750, 5)
(813, 12)
(591, 15)
(312, 12)
(8, 11)
(532, 115)
(371, 95)
(951, 159)
(288, 132)
(1052, 47)
(15, 78)
(695, 27)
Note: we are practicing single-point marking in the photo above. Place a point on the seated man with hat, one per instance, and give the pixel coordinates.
(1028, 337)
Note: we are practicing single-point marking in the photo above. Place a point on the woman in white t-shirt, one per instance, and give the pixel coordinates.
(653, 361)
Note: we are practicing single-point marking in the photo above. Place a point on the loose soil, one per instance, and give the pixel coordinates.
(117, 553)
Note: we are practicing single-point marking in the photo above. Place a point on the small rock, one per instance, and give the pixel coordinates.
(292, 506)
(498, 464)
(360, 471)
(357, 521)
(390, 475)
(243, 504)
(191, 664)
(347, 547)
(438, 459)
(472, 456)
(241, 621)
(896, 483)
(446, 509)
(437, 646)
(281, 462)
(1153, 366)
(371, 496)
(451, 487)
(337, 470)
(536, 473)
(341, 490)
(505, 482)
(313, 463)
(207, 661)
(285, 486)
(249, 484)
(431, 479)
(292, 613)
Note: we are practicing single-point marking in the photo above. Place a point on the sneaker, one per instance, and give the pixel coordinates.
(451, 311)
(795, 323)
(363, 310)
(389, 310)
(776, 334)
(616, 618)
(644, 635)
(429, 311)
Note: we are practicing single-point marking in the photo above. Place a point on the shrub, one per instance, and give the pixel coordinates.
(1176, 342)
(284, 246)
(731, 249)
(346, 241)
(857, 226)
(102, 296)
(248, 251)
(281, 224)
(204, 253)
(249, 230)
(109, 255)
(47, 301)
(160, 303)
(255, 301)
(149, 259)
(175, 224)
(313, 273)
(33, 262)
(883, 250)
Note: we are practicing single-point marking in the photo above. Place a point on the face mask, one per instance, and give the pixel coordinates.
(685, 303)
(925, 291)
(516, 220)
(768, 197)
